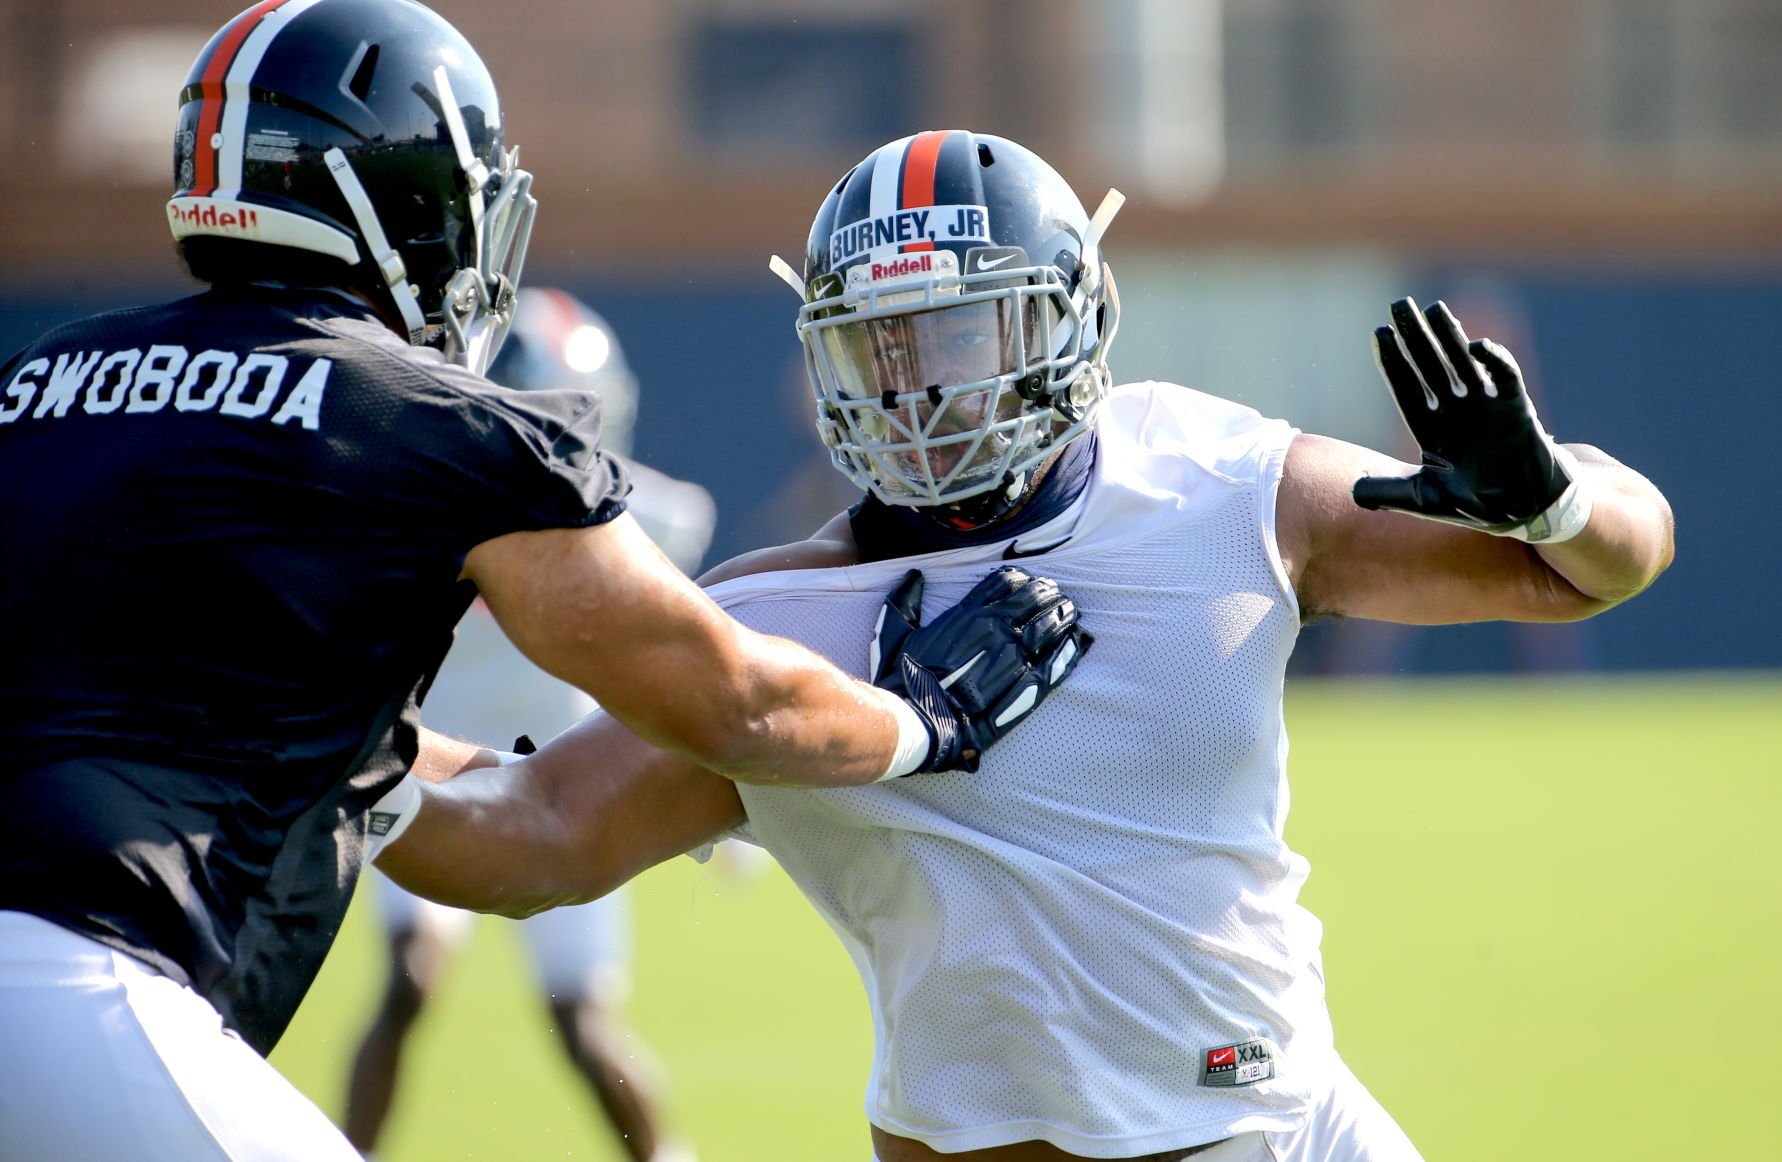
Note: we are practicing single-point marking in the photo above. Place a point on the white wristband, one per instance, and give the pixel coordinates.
(913, 742)
(1566, 517)
(390, 816)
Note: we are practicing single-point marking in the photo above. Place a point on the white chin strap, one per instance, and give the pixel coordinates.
(388, 262)
(784, 272)
(1104, 217)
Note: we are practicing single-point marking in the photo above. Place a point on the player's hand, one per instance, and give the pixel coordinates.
(982, 666)
(1487, 462)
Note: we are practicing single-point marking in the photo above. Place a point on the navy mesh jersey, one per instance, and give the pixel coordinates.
(231, 531)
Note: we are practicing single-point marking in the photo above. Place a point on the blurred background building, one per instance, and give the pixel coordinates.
(1601, 179)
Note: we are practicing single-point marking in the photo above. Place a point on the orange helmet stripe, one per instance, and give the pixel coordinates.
(918, 175)
(210, 94)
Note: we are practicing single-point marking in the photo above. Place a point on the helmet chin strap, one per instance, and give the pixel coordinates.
(783, 271)
(384, 256)
(1104, 217)
(974, 512)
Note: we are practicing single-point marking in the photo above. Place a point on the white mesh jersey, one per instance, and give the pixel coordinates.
(1052, 946)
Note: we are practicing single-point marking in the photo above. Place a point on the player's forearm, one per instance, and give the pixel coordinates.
(592, 809)
(602, 609)
(799, 721)
(442, 757)
(755, 708)
(461, 816)
(832, 547)
(486, 840)
(752, 707)
(1628, 540)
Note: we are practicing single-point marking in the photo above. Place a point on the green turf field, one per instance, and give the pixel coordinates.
(1553, 924)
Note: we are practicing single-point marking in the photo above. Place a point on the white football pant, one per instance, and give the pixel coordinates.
(102, 1058)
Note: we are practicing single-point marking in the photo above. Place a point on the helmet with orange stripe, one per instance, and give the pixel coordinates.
(956, 321)
(358, 142)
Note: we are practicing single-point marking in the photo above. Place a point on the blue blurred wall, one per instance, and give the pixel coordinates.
(1679, 376)
(1671, 371)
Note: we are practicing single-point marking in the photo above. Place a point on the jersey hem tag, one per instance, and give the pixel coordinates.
(1242, 1063)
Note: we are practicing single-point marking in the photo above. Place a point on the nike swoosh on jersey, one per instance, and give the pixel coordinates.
(1013, 549)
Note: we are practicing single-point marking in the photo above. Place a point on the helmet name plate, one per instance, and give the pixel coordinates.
(882, 237)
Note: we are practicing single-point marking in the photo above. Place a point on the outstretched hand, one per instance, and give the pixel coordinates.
(1487, 462)
(981, 667)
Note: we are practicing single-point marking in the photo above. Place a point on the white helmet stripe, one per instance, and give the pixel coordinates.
(233, 129)
(887, 189)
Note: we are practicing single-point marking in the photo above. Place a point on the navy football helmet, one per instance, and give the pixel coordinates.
(367, 131)
(956, 322)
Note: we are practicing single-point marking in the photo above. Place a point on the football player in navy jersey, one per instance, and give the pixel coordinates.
(238, 529)
(1094, 947)
(581, 956)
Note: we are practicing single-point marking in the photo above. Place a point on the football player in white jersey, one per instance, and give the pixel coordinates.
(486, 689)
(1091, 948)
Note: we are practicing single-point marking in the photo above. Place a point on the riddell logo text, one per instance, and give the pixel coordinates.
(915, 264)
(209, 217)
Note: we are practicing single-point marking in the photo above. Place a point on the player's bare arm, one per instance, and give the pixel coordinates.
(604, 609)
(566, 825)
(830, 547)
(1511, 528)
(594, 808)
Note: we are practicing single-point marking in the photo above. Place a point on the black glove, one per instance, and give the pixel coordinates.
(980, 667)
(1487, 463)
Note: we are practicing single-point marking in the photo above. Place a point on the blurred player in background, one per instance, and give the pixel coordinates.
(1095, 949)
(488, 691)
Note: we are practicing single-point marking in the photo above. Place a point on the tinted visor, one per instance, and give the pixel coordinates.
(963, 344)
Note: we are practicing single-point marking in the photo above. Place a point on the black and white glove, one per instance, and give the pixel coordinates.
(1487, 462)
(982, 666)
